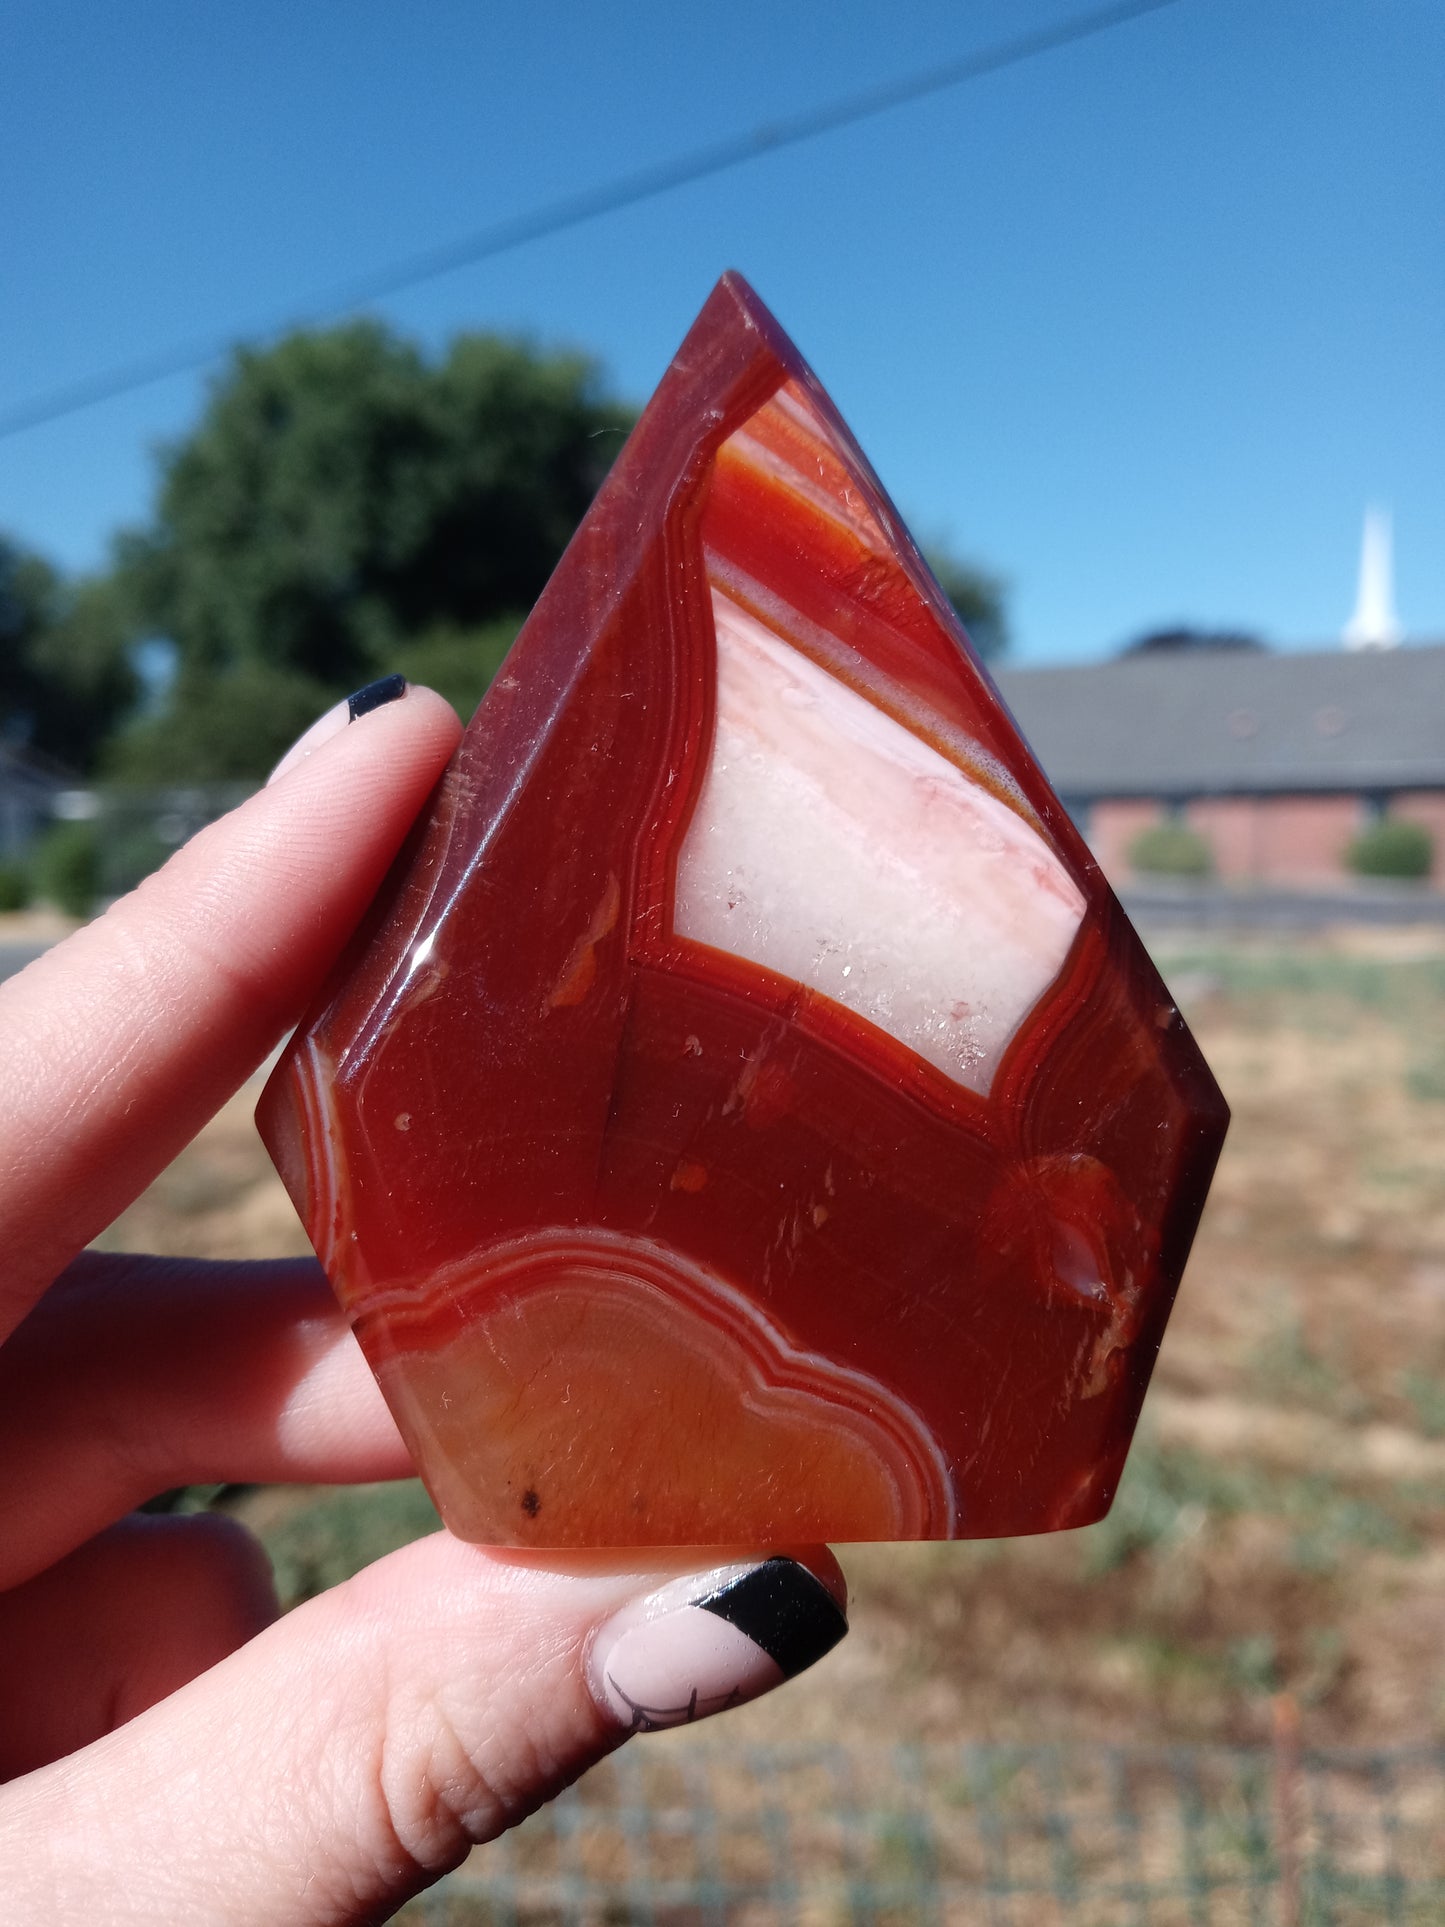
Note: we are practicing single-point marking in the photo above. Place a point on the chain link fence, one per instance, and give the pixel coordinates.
(136, 830)
(683, 1834)
(74, 849)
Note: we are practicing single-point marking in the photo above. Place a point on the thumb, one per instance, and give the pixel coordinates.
(355, 1751)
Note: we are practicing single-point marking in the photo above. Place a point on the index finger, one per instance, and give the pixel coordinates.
(121, 1042)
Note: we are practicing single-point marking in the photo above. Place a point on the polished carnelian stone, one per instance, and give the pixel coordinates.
(746, 1114)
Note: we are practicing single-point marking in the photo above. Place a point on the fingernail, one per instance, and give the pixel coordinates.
(372, 695)
(711, 1641)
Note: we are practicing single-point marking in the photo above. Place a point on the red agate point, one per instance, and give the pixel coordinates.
(747, 1116)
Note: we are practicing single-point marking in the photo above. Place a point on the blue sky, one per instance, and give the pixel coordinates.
(1142, 324)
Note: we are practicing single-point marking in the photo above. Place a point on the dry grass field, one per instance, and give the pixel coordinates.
(1281, 1528)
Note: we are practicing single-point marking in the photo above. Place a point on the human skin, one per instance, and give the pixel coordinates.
(172, 1750)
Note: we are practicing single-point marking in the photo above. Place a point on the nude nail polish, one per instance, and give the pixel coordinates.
(711, 1641)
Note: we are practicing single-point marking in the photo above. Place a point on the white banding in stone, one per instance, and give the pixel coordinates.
(833, 846)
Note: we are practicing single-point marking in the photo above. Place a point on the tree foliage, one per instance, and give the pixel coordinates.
(1184, 640)
(345, 503)
(65, 674)
(977, 598)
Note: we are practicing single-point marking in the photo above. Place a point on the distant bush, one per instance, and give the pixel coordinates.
(67, 868)
(131, 853)
(14, 886)
(1171, 850)
(1391, 848)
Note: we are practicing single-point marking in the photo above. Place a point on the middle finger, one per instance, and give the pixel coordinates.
(136, 1374)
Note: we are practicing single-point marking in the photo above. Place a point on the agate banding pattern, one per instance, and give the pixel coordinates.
(566, 1335)
(746, 1113)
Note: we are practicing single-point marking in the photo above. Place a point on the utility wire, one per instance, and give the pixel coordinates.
(555, 217)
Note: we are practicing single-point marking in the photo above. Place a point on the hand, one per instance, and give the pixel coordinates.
(187, 1756)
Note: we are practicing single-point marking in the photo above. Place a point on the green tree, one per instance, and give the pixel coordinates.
(977, 598)
(66, 678)
(29, 590)
(346, 507)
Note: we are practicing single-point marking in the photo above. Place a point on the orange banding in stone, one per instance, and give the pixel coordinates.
(691, 1403)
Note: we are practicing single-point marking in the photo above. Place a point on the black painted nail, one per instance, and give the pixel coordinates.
(374, 695)
(783, 1608)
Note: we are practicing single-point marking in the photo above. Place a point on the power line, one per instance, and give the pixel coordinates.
(555, 217)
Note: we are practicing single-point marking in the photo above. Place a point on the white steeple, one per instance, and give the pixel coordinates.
(1374, 625)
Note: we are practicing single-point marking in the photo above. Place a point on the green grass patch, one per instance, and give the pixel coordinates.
(1425, 1076)
(1164, 1497)
(1295, 971)
(1424, 1393)
(321, 1543)
(1169, 1496)
(1286, 1371)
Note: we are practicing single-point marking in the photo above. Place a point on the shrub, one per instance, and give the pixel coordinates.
(1391, 848)
(14, 886)
(67, 867)
(1171, 850)
(131, 854)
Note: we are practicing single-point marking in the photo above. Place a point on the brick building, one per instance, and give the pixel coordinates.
(1277, 760)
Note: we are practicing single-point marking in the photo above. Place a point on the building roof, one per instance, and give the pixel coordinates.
(1234, 722)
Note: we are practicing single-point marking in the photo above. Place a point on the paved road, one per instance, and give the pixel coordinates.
(1286, 911)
